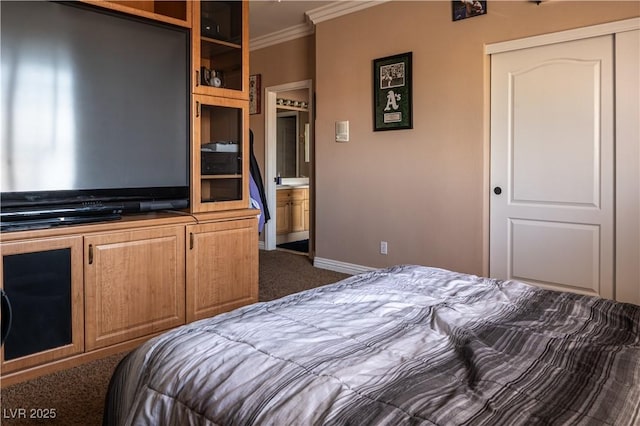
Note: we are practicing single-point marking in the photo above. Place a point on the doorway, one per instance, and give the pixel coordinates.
(289, 100)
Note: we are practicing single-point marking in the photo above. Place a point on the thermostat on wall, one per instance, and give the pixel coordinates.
(342, 131)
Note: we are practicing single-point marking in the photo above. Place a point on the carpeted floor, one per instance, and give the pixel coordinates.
(76, 396)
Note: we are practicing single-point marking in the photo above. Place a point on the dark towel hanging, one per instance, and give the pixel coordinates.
(257, 177)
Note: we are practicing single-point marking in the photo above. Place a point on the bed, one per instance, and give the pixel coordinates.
(402, 345)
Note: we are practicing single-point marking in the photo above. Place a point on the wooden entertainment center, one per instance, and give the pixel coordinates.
(133, 278)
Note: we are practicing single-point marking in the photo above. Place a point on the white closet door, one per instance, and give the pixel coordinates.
(628, 166)
(552, 172)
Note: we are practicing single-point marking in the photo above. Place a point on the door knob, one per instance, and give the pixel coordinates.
(497, 190)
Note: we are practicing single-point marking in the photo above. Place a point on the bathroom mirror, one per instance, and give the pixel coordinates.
(292, 143)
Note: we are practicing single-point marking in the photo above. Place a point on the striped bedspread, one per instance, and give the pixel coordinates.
(403, 345)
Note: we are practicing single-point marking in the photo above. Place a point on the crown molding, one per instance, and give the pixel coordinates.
(340, 8)
(297, 31)
(314, 16)
(564, 36)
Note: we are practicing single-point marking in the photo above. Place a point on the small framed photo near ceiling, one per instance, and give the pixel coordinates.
(462, 9)
(392, 97)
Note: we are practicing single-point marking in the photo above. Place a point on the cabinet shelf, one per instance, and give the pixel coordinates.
(222, 52)
(205, 177)
(216, 41)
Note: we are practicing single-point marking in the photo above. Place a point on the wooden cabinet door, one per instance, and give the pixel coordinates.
(134, 284)
(283, 211)
(220, 154)
(283, 217)
(299, 196)
(220, 48)
(222, 267)
(32, 249)
(297, 215)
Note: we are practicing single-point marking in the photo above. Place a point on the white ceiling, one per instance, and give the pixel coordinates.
(270, 16)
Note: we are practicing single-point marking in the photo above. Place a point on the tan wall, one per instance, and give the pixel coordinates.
(283, 63)
(423, 190)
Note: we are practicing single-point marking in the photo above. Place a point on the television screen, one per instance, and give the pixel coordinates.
(95, 104)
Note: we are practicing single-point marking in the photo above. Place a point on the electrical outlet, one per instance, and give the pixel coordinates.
(383, 247)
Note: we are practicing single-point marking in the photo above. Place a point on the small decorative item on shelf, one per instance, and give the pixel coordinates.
(209, 27)
(210, 77)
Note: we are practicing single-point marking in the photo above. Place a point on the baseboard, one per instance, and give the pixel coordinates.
(337, 266)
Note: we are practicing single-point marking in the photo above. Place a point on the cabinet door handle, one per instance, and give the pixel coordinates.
(90, 254)
(197, 78)
(190, 240)
(197, 109)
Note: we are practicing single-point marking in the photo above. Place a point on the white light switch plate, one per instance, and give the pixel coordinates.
(342, 131)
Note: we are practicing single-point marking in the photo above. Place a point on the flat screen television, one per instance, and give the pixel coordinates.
(95, 114)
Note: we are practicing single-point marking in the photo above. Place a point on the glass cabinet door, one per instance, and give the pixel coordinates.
(221, 48)
(43, 283)
(222, 144)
